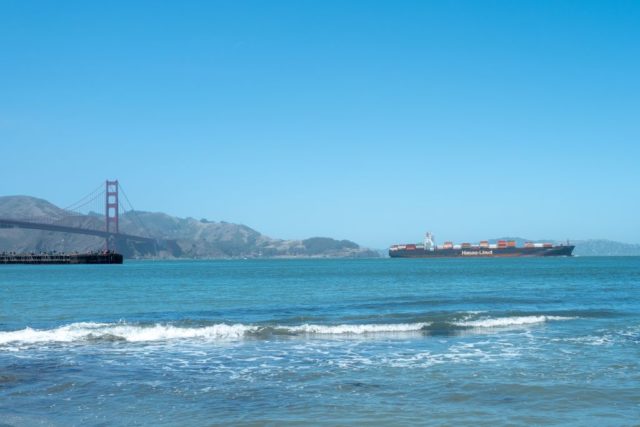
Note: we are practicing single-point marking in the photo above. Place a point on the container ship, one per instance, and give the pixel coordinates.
(484, 249)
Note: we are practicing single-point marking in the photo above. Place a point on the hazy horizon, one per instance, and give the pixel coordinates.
(367, 122)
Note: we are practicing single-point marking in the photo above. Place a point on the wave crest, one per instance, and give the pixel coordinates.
(357, 329)
(114, 332)
(509, 321)
(87, 331)
(123, 332)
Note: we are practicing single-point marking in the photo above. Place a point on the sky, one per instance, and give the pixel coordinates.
(364, 120)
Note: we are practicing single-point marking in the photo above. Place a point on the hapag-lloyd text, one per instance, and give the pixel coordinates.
(476, 253)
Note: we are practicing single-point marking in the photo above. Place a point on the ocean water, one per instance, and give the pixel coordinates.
(330, 342)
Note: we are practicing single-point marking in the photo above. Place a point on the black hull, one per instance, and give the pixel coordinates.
(108, 258)
(483, 252)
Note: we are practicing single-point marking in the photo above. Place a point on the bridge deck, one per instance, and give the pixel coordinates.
(14, 223)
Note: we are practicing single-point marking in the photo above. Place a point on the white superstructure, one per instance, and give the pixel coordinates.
(429, 244)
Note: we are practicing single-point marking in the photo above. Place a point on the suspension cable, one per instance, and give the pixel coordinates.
(89, 198)
(135, 213)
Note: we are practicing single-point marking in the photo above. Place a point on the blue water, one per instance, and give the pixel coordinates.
(334, 342)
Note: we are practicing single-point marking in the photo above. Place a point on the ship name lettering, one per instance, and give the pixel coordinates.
(476, 253)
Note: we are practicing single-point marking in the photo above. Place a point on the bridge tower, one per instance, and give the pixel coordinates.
(111, 211)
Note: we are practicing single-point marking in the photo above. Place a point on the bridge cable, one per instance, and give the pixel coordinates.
(87, 199)
(135, 213)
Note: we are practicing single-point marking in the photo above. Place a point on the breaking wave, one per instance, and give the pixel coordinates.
(509, 321)
(357, 329)
(114, 332)
(90, 331)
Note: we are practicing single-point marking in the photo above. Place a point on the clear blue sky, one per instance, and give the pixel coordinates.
(371, 121)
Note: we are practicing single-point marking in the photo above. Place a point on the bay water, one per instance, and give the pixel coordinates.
(539, 341)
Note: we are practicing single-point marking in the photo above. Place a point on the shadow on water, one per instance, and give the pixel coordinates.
(444, 329)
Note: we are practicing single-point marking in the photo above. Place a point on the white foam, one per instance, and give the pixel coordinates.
(162, 332)
(356, 329)
(66, 333)
(605, 340)
(509, 321)
(85, 331)
(133, 333)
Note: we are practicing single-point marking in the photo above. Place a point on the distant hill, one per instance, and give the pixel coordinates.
(209, 239)
(602, 247)
(195, 238)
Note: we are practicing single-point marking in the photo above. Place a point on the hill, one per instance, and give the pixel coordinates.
(603, 247)
(193, 238)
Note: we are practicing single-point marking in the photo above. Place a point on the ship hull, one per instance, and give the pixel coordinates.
(483, 252)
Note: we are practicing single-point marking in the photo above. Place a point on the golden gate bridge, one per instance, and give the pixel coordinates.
(82, 217)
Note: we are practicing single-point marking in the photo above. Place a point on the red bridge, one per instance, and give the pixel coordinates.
(110, 231)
